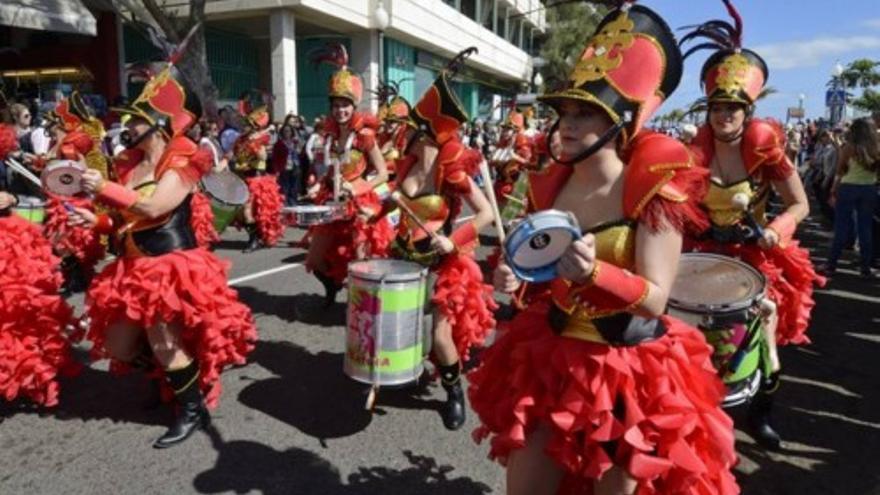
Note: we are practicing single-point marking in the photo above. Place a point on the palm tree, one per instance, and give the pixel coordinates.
(869, 101)
(767, 91)
(862, 73)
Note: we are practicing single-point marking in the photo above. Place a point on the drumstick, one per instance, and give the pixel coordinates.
(24, 172)
(406, 209)
(490, 194)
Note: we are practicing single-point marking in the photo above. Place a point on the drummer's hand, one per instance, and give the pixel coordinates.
(504, 280)
(579, 260)
(769, 240)
(91, 179)
(442, 244)
(6, 200)
(81, 217)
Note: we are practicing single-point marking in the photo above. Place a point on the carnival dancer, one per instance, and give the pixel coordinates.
(433, 181)
(393, 114)
(262, 213)
(76, 135)
(34, 346)
(512, 155)
(593, 389)
(350, 148)
(163, 305)
(746, 160)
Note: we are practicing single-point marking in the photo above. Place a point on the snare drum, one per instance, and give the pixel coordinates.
(228, 194)
(62, 177)
(536, 243)
(308, 215)
(31, 209)
(720, 296)
(385, 338)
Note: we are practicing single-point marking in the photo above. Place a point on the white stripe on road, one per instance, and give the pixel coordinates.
(282, 268)
(263, 273)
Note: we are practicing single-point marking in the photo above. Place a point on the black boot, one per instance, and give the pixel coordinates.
(331, 288)
(759, 414)
(453, 411)
(193, 415)
(253, 238)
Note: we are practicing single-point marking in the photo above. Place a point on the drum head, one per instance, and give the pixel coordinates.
(62, 177)
(386, 269)
(542, 247)
(226, 187)
(715, 282)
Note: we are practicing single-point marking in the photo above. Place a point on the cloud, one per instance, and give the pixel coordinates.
(811, 53)
(872, 23)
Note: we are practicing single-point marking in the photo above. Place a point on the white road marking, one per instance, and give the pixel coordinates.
(263, 273)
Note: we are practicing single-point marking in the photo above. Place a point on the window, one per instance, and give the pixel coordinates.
(451, 3)
(501, 25)
(469, 8)
(487, 12)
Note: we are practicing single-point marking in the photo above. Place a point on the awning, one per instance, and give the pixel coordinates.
(66, 16)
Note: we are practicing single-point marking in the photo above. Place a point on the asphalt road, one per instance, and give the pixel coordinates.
(290, 422)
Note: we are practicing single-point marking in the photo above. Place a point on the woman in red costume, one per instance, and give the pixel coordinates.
(164, 301)
(433, 179)
(592, 389)
(262, 213)
(351, 146)
(393, 115)
(515, 152)
(34, 348)
(745, 157)
(77, 136)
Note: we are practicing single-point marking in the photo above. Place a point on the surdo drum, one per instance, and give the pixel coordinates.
(722, 297)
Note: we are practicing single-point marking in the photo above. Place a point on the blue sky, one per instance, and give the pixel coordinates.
(800, 39)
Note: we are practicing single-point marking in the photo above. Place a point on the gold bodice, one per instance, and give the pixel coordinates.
(615, 244)
(432, 210)
(719, 203)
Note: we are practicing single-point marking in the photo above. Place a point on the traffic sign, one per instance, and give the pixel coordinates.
(835, 97)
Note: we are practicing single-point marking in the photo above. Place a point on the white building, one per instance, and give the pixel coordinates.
(265, 44)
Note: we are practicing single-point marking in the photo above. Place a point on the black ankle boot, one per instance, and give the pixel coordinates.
(453, 411)
(253, 238)
(760, 412)
(331, 288)
(193, 415)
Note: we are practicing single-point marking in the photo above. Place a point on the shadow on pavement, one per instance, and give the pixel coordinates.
(310, 392)
(243, 466)
(305, 308)
(95, 395)
(828, 407)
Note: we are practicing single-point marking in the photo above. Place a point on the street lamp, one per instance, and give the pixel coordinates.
(837, 109)
(381, 19)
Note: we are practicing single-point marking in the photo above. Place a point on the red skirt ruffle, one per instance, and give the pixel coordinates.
(267, 203)
(791, 278)
(653, 409)
(186, 287)
(502, 190)
(80, 242)
(461, 296)
(346, 236)
(34, 347)
(202, 220)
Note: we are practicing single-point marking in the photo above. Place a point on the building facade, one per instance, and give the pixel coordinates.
(265, 44)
